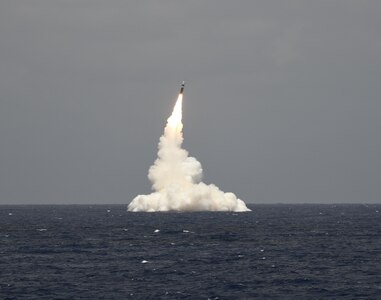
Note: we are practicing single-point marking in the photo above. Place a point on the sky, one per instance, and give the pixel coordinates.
(282, 99)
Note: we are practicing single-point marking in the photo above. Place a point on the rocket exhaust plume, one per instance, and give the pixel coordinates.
(176, 177)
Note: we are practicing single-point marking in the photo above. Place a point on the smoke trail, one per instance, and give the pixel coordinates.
(176, 178)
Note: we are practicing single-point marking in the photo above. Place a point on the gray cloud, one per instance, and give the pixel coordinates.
(286, 92)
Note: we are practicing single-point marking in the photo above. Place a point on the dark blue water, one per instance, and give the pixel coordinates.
(274, 252)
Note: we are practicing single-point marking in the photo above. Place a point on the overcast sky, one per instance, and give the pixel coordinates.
(282, 98)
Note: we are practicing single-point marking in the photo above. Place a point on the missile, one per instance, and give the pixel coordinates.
(182, 87)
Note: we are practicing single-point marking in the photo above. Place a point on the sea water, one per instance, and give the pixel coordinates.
(275, 251)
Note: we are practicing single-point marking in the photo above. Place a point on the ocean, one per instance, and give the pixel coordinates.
(298, 251)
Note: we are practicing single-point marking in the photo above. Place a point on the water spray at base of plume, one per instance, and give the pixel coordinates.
(176, 178)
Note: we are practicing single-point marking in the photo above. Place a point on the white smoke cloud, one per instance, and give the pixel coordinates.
(176, 178)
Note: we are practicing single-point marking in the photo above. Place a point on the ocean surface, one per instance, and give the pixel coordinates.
(273, 252)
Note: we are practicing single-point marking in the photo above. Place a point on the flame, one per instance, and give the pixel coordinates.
(174, 122)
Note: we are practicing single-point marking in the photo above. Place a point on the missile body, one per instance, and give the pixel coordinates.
(182, 87)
